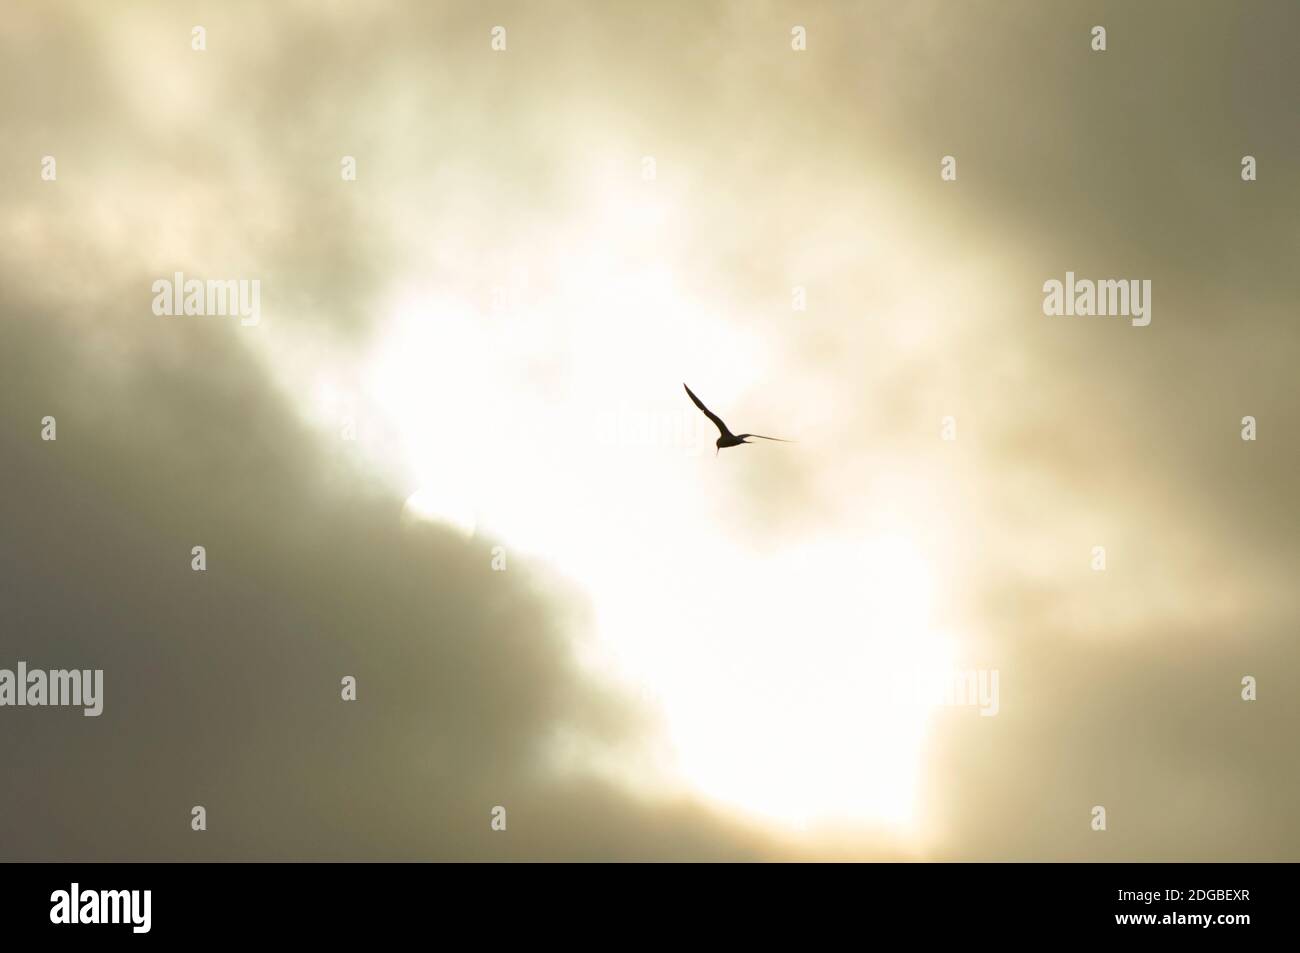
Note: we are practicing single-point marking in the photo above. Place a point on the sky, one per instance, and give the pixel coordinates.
(450, 456)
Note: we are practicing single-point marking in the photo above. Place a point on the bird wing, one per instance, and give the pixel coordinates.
(717, 421)
(761, 437)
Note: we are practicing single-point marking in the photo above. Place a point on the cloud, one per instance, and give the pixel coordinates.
(774, 170)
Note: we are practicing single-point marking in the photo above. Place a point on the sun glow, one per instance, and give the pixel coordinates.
(787, 705)
(772, 672)
(554, 422)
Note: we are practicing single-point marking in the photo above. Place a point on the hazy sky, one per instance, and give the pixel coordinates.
(552, 595)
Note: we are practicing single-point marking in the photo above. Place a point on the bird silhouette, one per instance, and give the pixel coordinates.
(726, 437)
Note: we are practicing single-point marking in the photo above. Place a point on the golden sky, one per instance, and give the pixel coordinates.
(552, 595)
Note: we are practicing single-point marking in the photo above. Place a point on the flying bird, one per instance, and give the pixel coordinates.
(727, 438)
